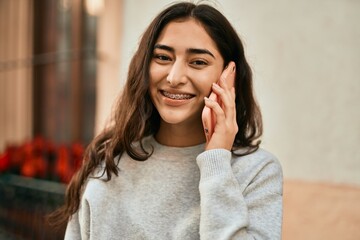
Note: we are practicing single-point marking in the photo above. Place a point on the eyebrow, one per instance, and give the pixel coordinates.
(189, 50)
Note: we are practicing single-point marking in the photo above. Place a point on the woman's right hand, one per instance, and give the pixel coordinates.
(226, 126)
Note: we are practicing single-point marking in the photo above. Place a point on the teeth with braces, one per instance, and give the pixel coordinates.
(177, 96)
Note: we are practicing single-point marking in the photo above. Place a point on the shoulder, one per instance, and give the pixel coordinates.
(259, 166)
(99, 181)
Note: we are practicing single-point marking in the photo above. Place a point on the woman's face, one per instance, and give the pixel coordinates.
(185, 63)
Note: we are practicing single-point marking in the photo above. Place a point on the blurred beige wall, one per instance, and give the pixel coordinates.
(16, 41)
(306, 57)
(108, 47)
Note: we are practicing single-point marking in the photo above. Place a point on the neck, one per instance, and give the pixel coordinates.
(180, 136)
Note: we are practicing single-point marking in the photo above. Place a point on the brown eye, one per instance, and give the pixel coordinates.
(162, 57)
(199, 62)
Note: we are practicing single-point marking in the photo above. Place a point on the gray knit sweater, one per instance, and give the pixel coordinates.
(184, 193)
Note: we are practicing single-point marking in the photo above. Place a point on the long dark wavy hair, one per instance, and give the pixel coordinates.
(135, 116)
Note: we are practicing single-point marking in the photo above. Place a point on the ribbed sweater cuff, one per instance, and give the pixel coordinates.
(214, 162)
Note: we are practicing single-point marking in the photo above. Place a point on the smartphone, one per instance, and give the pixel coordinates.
(208, 116)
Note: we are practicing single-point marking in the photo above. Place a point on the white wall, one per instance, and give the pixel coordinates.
(306, 59)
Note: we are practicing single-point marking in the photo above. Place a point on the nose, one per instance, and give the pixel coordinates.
(177, 74)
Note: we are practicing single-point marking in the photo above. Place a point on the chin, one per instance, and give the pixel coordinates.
(173, 118)
(181, 117)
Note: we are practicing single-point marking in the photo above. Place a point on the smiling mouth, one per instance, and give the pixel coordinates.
(177, 96)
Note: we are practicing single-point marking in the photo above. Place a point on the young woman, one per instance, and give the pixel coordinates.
(153, 174)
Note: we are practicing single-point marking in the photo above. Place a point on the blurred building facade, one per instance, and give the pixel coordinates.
(48, 71)
(51, 72)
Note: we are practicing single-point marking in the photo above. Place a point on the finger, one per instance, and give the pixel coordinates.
(225, 128)
(227, 100)
(227, 78)
(233, 93)
(228, 84)
(215, 107)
